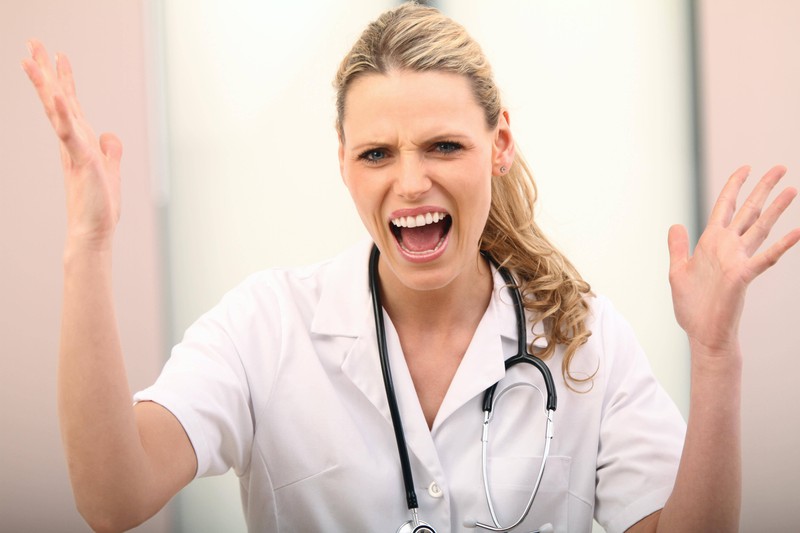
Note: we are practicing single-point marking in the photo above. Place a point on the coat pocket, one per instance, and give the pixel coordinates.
(511, 482)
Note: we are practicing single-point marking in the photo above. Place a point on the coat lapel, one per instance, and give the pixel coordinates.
(344, 313)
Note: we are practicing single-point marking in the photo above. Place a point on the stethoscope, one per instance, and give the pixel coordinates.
(415, 524)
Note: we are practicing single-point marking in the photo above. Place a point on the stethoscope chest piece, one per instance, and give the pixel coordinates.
(419, 527)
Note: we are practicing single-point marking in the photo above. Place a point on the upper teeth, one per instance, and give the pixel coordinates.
(419, 220)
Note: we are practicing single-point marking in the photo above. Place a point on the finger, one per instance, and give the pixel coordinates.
(64, 70)
(33, 71)
(67, 132)
(725, 205)
(758, 232)
(67, 83)
(751, 209)
(761, 262)
(39, 54)
(678, 243)
(35, 74)
(35, 68)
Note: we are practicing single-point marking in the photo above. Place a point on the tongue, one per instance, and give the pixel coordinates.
(423, 238)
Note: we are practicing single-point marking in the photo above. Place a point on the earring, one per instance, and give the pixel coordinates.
(503, 170)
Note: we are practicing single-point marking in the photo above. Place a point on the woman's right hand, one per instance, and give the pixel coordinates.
(91, 164)
(125, 462)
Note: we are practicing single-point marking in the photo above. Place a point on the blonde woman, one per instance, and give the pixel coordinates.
(283, 380)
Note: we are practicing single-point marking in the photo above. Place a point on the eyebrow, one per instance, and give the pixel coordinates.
(439, 137)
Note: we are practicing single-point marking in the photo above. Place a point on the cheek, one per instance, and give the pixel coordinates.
(365, 194)
(353, 181)
(482, 182)
(483, 197)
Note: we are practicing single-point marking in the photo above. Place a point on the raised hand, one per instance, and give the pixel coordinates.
(91, 164)
(708, 287)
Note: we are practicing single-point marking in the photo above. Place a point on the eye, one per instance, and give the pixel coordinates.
(447, 147)
(373, 155)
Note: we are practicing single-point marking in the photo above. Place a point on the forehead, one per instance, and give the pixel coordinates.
(410, 101)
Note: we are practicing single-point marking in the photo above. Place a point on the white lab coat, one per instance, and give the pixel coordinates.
(282, 382)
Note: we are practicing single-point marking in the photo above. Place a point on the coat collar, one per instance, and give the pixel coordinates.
(345, 306)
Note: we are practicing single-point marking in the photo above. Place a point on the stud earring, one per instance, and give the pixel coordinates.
(503, 170)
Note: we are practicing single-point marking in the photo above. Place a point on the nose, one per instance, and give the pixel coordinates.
(411, 181)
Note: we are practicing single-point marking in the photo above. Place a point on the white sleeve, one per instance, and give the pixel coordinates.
(205, 385)
(641, 431)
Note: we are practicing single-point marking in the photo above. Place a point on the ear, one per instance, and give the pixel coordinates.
(503, 146)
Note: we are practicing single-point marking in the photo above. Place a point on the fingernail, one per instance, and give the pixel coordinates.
(30, 47)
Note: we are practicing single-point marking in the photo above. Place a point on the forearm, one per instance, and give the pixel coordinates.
(707, 492)
(107, 464)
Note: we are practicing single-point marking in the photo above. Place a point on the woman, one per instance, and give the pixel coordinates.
(282, 381)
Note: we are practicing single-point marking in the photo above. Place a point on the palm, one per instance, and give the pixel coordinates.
(708, 288)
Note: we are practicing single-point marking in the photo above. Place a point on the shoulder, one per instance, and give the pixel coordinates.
(272, 313)
(609, 329)
(271, 300)
(612, 349)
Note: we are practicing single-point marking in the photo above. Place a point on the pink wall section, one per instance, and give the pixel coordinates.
(104, 41)
(751, 114)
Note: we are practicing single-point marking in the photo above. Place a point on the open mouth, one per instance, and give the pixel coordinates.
(421, 234)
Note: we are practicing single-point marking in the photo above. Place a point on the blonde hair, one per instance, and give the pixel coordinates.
(420, 38)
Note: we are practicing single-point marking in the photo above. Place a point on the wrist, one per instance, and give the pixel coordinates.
(721, 360)
(81, 241)
(726, 346)
(81, 253)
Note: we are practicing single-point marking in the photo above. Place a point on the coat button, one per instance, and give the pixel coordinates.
(434, 490)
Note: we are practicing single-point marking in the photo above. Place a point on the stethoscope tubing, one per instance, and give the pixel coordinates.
(522, 356)
(391, 397)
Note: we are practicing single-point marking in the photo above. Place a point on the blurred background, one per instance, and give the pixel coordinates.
(631, 114)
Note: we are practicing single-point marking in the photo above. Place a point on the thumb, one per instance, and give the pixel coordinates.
(111, 147)
(678, 242)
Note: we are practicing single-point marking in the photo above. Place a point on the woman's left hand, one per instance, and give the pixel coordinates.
(708, 287)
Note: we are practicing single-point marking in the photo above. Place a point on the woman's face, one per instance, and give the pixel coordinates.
(418, 159)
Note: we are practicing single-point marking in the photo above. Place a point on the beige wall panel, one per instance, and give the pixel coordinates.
(751, 114)
(105, 43)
